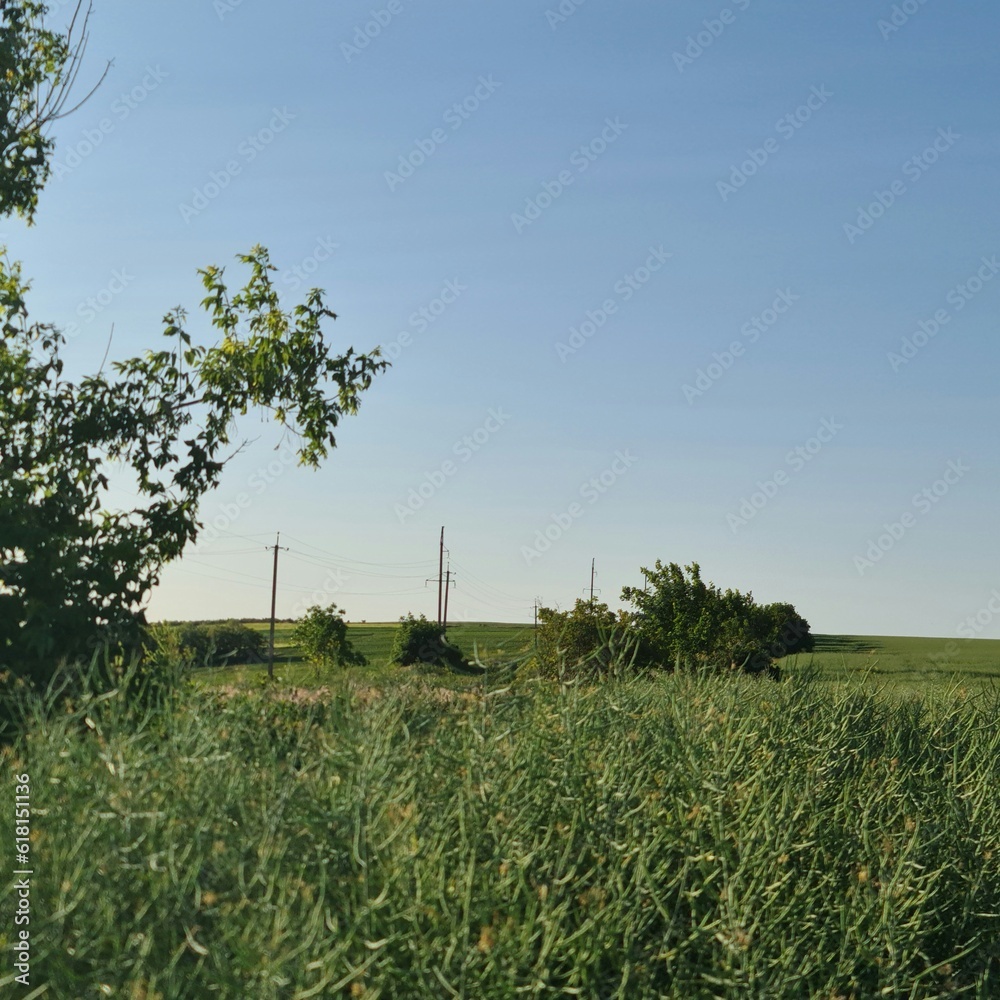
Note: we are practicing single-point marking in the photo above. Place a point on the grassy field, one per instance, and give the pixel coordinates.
(487, 641)
(895, 661)
(672, 837)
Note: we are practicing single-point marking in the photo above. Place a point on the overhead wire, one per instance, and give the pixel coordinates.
(360, 562)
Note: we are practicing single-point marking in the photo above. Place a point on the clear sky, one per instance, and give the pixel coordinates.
(673, 280)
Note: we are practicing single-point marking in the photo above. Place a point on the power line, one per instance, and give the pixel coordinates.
(360, 562)
(305, 557)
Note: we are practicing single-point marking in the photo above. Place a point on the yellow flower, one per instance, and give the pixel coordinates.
(487, 939)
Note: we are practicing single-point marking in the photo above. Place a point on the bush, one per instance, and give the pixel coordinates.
(589, 639)
(218, 644)
(419, 641)
(322, 635)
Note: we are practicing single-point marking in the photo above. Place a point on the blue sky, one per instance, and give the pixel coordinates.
(692, 281)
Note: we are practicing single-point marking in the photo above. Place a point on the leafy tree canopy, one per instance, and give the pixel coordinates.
(75, 572)
(687, 621)
(38, 68)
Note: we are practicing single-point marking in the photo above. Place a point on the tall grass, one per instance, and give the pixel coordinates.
(674, 837)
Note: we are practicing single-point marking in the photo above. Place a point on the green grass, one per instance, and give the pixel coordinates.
(677, 837)
(906, 663)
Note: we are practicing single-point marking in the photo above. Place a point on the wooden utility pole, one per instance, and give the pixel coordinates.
(441, 576)
(274, 596)
(447, 585)
(592, 561)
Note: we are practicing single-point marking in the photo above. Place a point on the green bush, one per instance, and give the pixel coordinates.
(419, 641)
(590, 639)
(322, 635)
(219, 643)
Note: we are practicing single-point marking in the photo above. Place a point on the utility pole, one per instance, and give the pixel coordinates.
(593, 590)
(274, 596)
(442, 612)
(447, 586)
(440, 575)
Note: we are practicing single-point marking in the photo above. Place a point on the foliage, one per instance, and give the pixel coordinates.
(688, 622)
(419, 641)
(789, 631)
(218, 643)
(589, 638)
(321, 634)
(673, 836)
(74, 571)
(37, 70)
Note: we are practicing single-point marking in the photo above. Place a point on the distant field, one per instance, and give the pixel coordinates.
(897, 661)
(489, 641)
(903, 661)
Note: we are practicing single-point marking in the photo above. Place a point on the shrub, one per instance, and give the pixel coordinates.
(322, 635)
(589, 639)
(219, 643)
(419, 641)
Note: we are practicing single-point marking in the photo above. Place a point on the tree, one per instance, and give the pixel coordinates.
(74, 571)
(678, 613)
(321, 634)
(790, 632)
(38, 69)
(688, 622)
